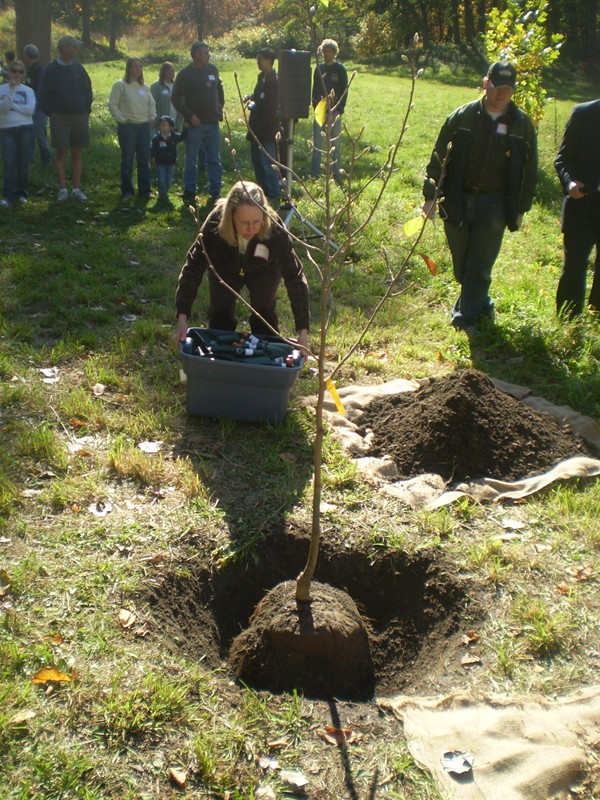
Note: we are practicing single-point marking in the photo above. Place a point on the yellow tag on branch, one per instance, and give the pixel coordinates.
(334, 395)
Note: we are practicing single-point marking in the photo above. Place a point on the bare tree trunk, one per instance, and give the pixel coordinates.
(33, 22)
(199, 19)
(469, 21)
(113, 26)
(455, 21)
(86, 36)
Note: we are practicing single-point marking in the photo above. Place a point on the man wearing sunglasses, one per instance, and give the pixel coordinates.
(484, 165)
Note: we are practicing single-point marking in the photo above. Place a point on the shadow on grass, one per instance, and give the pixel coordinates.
(526, 357)
(255, 473)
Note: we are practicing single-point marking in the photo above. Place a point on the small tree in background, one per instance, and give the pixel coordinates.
(518, 34)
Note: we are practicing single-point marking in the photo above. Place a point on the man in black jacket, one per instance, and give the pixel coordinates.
(198, 96)
(484, 164)
(264, 125)
(578, 167)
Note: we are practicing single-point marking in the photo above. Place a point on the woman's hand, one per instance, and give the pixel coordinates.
(182, 328)
(303, 342)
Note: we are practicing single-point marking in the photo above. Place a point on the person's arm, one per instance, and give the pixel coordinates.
(530, 172)
(115, 100)
(28, 107)
(295, 282)
(191, 275)
(317, 87)
(568, 156)
(151, 108)
(342, 89)
(433, 172)
(178, 97)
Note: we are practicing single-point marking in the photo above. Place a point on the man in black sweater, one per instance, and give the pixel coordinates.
(198, 96)
(578, 167)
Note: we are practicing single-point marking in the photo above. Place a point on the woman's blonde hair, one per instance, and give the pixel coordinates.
(243, 193)
(128, 64)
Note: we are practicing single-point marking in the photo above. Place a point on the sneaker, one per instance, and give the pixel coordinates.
(77, 194)
(62, 195)
(4, 203)
(22, 200)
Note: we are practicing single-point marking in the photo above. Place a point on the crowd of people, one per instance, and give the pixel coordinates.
(480, 179)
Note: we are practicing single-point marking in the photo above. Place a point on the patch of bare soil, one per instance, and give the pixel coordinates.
(462, 428)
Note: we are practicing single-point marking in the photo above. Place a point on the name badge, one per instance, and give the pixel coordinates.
(501, 129)
(262, 251)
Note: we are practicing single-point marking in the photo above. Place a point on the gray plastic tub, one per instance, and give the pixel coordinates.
(236, 390)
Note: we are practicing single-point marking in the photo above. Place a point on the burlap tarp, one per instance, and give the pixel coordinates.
(432, 491)
(522, 749)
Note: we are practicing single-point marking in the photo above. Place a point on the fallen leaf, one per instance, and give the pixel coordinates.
(458, 762)
(22, 716)
(583, 574)
(278, 744)
(289, 458)
(543, 548)
(78, 423)
(127, 618)
(178, 776)
(265, 793)
(295, 780)
(470, 660)
(512, 524)
(469, 637)
(54, 638)
(564, 588)
(150, 447)
(4, 583)
(338, 736)
(98, 389)
(53, 675)
(268, 762)
(49, 372)
(77, 450)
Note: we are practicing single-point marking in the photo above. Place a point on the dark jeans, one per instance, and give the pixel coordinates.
(40, 135)
(581, 233)
(134, 141)
(266, 176)
(164, 177)
(262, 287)
(15, 146)
(203, 141)
(474, 246)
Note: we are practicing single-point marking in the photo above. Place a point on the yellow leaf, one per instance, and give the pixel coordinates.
(321, 111)
(414, 226)
(52, 675)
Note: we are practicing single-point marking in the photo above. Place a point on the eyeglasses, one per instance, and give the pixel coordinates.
(20, 71)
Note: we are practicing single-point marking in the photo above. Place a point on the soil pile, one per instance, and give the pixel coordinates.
(462, 428)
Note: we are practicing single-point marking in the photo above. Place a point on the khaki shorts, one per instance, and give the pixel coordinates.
(70, 130)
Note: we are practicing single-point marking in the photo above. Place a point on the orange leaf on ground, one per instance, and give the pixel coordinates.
(178, 776)
(52, 675)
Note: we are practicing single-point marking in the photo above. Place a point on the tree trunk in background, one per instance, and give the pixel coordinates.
(455, 21)
(481, 16)
(469, 21)
(33, 24)
(86, 36)
(199, 19)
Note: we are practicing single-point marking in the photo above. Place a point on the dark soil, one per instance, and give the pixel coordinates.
(320, 646)
(462, 428)
(414, 610)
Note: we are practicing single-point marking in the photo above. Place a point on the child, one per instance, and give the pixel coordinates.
(163, 153)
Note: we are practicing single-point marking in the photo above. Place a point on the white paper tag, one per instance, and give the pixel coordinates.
(501, 129)
(262, 251)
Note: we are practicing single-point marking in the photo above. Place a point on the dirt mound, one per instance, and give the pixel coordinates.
(462, 428)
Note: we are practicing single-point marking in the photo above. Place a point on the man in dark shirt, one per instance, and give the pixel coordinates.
(31, 58)
(484, 165)
(330, 76)
(65, 95)
(264, 125)
(578, 167)
(198, 96)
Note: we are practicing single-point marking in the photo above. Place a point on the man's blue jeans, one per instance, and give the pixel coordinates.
(207, 136)
(40, 124)
(266, 176)
(15, 146)
(474, 246)
(320, 144)
(134, 141)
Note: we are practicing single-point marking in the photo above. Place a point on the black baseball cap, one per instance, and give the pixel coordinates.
(167, 118)
(501, 73)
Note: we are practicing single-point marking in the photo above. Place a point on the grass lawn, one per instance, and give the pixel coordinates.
(98, 537)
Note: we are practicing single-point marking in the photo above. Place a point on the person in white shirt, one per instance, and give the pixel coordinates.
(17, 104)
(133, 107)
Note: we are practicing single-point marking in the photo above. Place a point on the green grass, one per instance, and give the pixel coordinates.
(69, 276)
